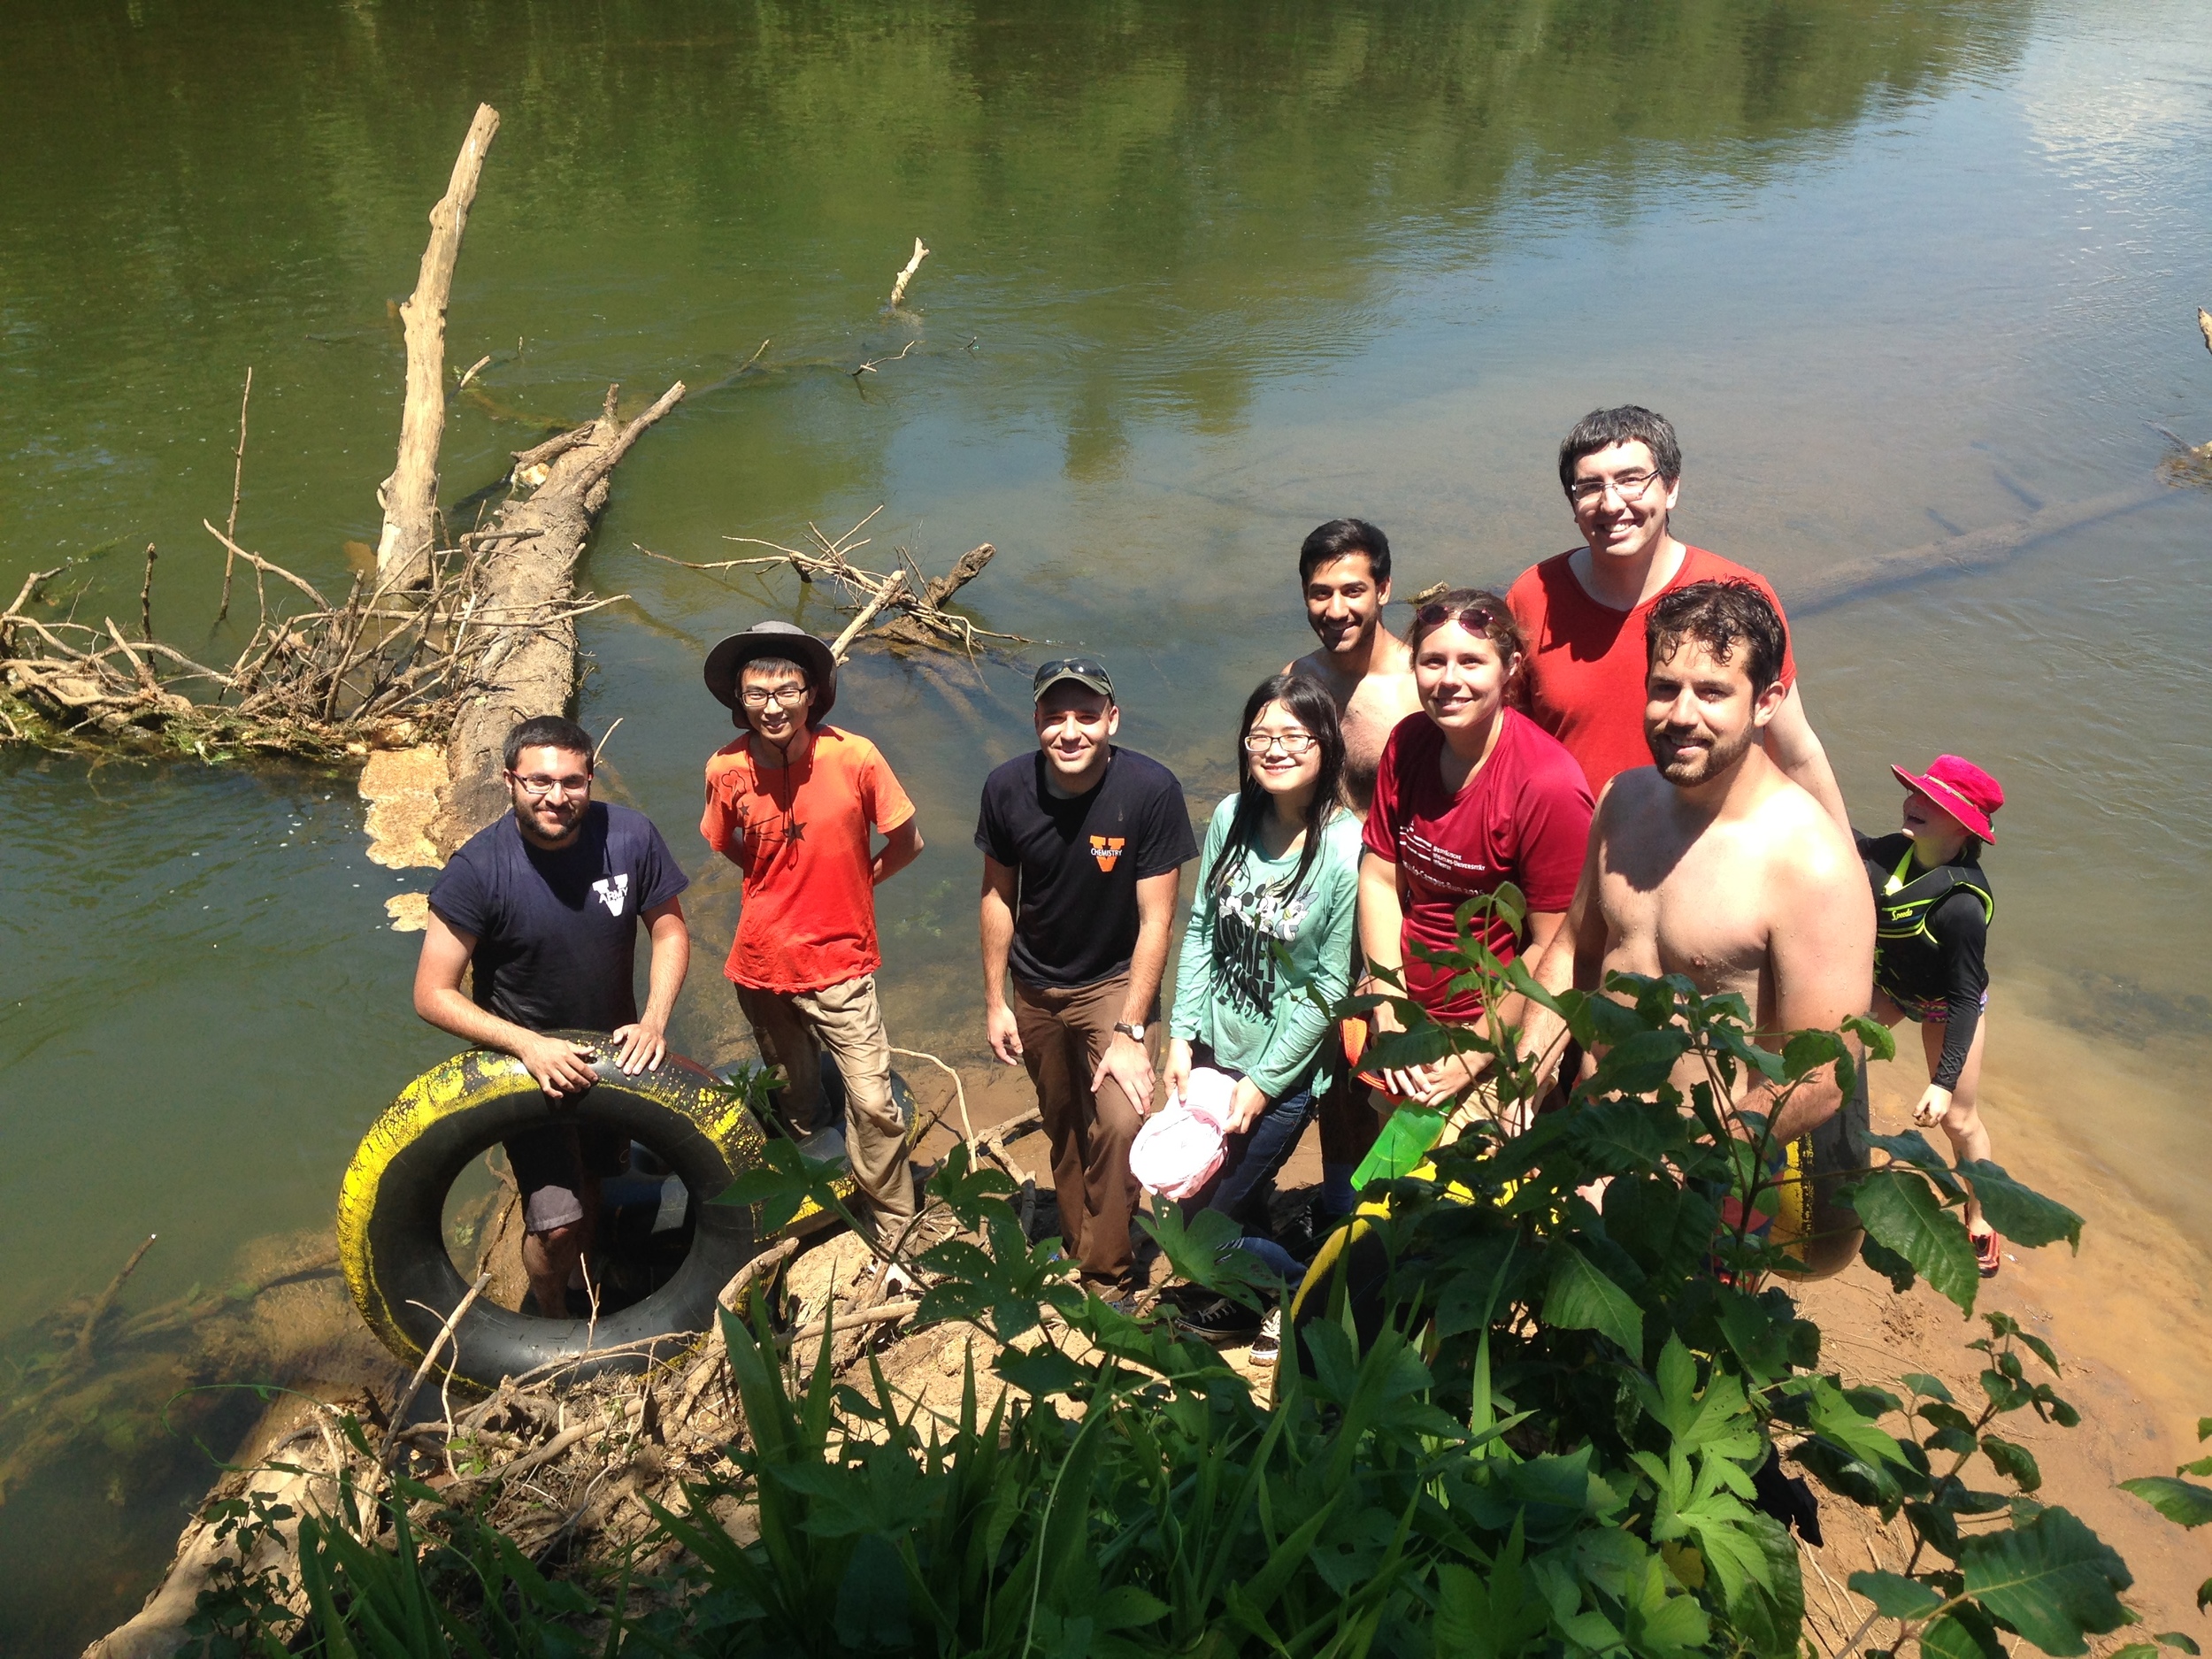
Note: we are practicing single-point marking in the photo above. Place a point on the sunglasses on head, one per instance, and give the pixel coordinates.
(1476, 618)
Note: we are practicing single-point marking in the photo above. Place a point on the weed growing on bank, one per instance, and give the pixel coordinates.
(1511, 1422)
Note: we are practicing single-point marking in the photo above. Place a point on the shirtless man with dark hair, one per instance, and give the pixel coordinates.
(1344, 571)
(1713, 863)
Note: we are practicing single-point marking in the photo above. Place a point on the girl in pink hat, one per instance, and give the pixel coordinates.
(1933, 907)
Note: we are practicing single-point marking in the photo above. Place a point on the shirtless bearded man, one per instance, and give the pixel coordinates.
(1344, 571)
(1344, 568)
(1714, 864)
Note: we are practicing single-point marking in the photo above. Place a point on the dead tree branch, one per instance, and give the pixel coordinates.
(410, 495)
(898, 283)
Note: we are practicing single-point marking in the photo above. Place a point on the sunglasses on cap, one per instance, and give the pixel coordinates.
(1476, 618)
(1086, 671)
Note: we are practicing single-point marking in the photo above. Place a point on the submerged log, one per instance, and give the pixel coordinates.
(526, 660)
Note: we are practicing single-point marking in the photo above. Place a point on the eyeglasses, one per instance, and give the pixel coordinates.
(1478, 619)
(538, 788)
(1294, 744)
(1629, 486)
(782, 696)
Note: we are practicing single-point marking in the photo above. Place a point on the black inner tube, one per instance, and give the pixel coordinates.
(417, 1285)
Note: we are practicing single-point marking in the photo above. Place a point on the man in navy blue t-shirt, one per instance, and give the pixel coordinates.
(546, 904)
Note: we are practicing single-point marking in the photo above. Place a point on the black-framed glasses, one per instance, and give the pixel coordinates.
(1476, 618)
(1628, 486)
(1297, 745)
(782, 696)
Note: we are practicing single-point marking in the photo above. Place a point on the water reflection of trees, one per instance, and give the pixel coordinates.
(1195, 172)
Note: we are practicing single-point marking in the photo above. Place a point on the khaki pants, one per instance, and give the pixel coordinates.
(1065, 1034)
(793, 1028)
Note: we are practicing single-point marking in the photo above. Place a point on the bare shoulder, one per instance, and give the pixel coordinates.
(1309, 665)
(1628, 798)
(1804, 843)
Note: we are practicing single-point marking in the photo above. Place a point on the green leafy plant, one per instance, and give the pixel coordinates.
(2182, 1502)
(1538, 1408)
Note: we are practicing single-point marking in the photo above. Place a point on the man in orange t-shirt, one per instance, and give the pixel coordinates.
(794, 805)
(1582, 613)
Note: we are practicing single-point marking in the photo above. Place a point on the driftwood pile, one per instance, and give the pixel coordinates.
(383, 668)
(911, 606)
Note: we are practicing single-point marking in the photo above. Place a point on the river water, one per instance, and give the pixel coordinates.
(1202, 276)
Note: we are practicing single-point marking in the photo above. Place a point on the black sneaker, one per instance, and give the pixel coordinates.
(1220, 1320)
(1302, 1231)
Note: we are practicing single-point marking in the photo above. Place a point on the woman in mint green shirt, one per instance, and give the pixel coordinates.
(1270, 927)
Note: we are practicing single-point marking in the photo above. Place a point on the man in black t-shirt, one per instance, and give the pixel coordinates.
(546, 904)
(1083, 847)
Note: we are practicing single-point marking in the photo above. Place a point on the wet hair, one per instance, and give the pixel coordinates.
(1340, 538)
(547, 731)
(1498, 626)
(1311, 706)
(1631, 423)
(775, 665)
(1722, 616)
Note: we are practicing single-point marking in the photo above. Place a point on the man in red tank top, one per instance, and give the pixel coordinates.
(1583, 613)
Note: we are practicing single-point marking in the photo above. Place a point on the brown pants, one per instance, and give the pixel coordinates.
(1065, 1034)
(792, 1028)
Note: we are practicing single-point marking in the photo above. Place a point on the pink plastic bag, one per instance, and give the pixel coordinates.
(1180, 1146)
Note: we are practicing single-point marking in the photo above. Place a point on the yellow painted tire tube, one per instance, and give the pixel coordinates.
(391, 1240)
(1820, 1235)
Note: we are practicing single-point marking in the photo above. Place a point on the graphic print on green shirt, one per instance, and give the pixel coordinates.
(1252, 952)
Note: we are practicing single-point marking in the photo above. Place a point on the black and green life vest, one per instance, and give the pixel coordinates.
(1902, 907)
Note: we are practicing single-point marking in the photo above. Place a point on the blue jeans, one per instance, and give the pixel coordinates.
(1249, 1159)
(1276, 1259)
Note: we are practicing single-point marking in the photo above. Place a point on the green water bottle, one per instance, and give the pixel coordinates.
(1401, 1147)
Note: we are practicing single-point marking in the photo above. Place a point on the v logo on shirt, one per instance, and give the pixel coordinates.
(613, 892)
(1107, 850)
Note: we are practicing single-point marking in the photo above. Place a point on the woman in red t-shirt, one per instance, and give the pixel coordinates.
(1470, 795)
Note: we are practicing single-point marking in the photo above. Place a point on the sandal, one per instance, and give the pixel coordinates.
(1988, 1251)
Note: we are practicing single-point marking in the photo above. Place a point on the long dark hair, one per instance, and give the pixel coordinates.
(1313, 707)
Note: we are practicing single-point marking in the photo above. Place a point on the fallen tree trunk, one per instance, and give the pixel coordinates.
(526, 662)
(410, 495)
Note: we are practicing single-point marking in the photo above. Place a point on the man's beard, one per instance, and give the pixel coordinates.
(1687, 772)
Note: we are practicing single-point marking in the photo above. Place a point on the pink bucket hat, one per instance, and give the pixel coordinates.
(1961, 788)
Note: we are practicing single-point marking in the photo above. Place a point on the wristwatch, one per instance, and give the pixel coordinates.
(1135, 1034)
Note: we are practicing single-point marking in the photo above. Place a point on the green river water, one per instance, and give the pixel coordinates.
(1202, 276)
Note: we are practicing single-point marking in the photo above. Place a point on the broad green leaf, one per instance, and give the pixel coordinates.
(1927, 1387)
(1579, 1297)
(1912, 1148)
(1643, 1062)
(1904, 1214)
(1964, 1632)
(2175, 1638)
(1042, 1371)
(1126, 1607)
(1834, 1416)
(2182, 1502)
(1807, 1051)
(1196, 1244)
(1896, 1597)
(2052, 1581)
(2021, 1213)
(2017, 1463)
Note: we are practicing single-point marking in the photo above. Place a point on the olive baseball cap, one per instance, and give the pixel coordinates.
(1085, 671)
